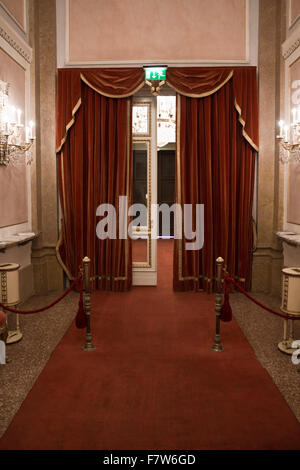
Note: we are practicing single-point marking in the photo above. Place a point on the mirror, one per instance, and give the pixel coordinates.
(140, 177)
(140, 174)
(141, 120)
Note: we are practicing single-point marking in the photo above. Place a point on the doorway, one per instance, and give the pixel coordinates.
(166, 186)
(153, 163)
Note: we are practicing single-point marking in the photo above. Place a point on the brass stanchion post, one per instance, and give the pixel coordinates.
(217, 347)
(87, 303)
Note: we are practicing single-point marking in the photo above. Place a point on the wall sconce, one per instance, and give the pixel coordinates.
(13, 146)
(289, 139)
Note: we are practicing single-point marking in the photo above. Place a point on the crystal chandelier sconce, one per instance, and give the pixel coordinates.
(289, 139)
(15, 139)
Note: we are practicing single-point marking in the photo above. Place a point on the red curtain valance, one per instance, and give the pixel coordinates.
(112, 83)
(199, 82)
(195, 82)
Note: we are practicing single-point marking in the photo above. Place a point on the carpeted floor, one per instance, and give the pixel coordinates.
(153, 382)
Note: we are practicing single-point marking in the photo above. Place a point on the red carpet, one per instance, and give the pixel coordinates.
(153, 382)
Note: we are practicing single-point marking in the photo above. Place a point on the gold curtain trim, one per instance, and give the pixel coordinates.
(78, 104)
(69, 125)
(107, 278)
(202, 95)
(241, 120)
(178, 179)
(112, 96)
(60, 260)
(196, 278)
(240, 279)
(245, 135)
(208, 279)
(127, 185)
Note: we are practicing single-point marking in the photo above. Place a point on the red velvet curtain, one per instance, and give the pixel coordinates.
(94, 167)
(113, 83)
(215, 167)
(217, 138)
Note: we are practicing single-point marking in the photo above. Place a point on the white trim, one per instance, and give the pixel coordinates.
(4, 45)
(140, 278)
(147, 276)
(169, 63)
(26, 18)
(291, 44)
(63, 59)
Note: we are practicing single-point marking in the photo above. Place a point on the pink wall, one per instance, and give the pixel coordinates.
(295, 10)
(293, 200)
(16, 9)
(293, 205)
(162, 30)
(13, 189)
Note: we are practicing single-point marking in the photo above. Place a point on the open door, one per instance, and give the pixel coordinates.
(144, 164)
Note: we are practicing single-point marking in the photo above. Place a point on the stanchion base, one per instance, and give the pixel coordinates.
(88, 347)
(14, 337)
(217, 348)
(285, 347)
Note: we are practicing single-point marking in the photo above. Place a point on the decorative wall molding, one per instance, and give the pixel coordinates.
(63, 59)
(291, 49)
(15, 41)
(291, 43)
(290, 61)
(21, 28)
(19, 51)
(290, 22)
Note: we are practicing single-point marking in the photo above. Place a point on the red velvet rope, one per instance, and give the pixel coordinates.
(42, 309)
(228, 279)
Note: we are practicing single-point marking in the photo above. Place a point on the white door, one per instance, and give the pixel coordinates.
(144, 169)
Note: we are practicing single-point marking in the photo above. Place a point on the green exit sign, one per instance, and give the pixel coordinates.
(155, 73)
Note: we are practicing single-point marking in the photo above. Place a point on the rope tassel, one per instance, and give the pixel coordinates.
(226, 311)
(81, 316)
